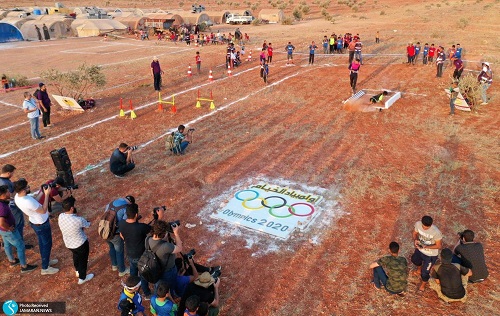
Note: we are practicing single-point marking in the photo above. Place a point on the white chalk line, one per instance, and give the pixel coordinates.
(112, 117)
(221, 108)
(12, 126)
(10, 104)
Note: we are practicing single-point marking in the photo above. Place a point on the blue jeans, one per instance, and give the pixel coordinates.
(452, 106)
(358, 55)
(181, 148)
(116, 252)
(380, 278)
(426, 262)
(14, 239)
(44, 234)
(19, 216)
(484, 87)
(35, 128)
(169, 277)
(135, 271)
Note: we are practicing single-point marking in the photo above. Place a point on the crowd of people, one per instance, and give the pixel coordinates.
(458, 267)
(183, 286)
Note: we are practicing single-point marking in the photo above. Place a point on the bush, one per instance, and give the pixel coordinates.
(254, 6)
(287, 20)
(20, 81)
(297, 14)
(306, 9)
(462, 23)
(282, 6)
(325, 4)
(75, 83)
(382, 12)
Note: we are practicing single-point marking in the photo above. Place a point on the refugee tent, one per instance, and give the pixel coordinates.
(242, 12)
(163, 20)
(272, 15)
(195, 18)
(56, 17)
(17, 22)
(3, 13)
(9, 33)
(17, 14)
(57, 29)
(95, 27)
(134, 22)
(217, 17)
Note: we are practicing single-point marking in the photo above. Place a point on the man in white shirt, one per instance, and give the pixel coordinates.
(75, 239)
(31, 109)
(427, 239)
(39, 220)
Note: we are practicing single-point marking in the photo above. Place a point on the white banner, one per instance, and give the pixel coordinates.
(271, 209)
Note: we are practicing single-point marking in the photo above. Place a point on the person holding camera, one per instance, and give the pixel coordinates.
(133, 234)
(470, 254)
(58, 193)
(74, 238)
(182, 140)
(38, 217)
(167, 242)
(121, 160)
(188, 271)
(427, 239)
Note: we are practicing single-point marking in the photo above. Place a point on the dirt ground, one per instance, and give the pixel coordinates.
(384, 169)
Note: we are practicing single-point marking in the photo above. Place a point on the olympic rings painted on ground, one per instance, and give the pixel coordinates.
(252, 208)
(263, 202)
(301, 203)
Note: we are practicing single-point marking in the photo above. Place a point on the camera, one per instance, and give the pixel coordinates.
(156, 209)
(191, 130)
(216, 274)
(133, 147)
(45, 186)
(189, 255)
(460, 235)
(173, 224)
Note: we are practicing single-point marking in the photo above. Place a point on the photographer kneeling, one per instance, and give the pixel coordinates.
(167, 242)
(121, 160)
(188, 271)
(182, 140)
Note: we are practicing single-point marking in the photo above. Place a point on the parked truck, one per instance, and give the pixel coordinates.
(238, 19)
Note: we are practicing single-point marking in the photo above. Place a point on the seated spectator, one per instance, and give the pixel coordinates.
(162, 303)
(470, 254)
(58, 193)
(130, 302)
(391, 271)
(121, 160)
(188, 272)
(449, 280)
(182, 140)
(207, 289)
(378, 97)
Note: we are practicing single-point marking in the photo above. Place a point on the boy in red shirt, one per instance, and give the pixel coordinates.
(432, 51)
(269, 53)
(198, 62)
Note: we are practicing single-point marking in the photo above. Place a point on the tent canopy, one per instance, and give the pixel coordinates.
(194, 18)
(17, 22)
(95, 27)
(57, 29)
(218, 17)
(9, 33)
(134, 22)
(272, 15)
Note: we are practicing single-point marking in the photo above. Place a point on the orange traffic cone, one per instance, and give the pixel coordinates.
(189, 71)
(229, 72)
(210, 76)
(249, 56)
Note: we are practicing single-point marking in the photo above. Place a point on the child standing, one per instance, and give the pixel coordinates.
(130, 301)
(198, 62)
(162, 303)
(262, 56)
(5, 83)
(269, 53)
(264, 71)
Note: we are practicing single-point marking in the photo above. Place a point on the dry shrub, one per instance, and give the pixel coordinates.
(470, 87)
(287, 21)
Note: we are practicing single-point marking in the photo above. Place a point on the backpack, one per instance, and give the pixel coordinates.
(108, 223)
(149, 264)
(35, 94)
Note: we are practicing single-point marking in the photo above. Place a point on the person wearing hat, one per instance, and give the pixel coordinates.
(449, 280)
(44, 103)
(485, 79)
(207, 289)
(130, 301)
(156, 72)
(116, 244)
(58, 193)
